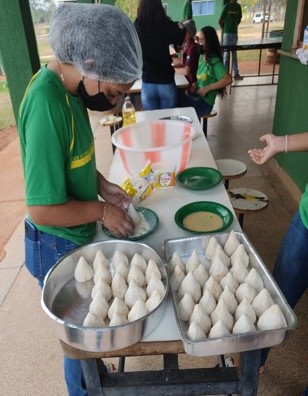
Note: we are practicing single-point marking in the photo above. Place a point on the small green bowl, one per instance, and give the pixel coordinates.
(204, 206)
(199, 178)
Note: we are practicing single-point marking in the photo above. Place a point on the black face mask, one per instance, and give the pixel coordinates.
(200, 49)
(97, 102)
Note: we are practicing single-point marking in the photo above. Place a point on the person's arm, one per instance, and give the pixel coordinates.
(278, 144)
(223, 82)
(182, 70)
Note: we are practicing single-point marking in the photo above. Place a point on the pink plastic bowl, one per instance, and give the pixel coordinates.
(158, 141)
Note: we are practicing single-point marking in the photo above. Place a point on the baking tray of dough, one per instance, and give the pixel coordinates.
(232, 343)
(66, 301)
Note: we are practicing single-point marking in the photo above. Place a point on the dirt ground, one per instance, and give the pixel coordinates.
(7, 136)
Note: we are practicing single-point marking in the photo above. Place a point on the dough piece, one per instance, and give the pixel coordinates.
(99, 305)
(84, 289)
(201, 318)
(245, 291)
(118, 286)
(104, 287)
(185, 307)
(230, 281)
(117, 257)
(193, 262)
(103, 272)
(138, 310)
(245, 308)
(254, 279)
(218, 269)
(207, 302)
(142, 227)
(190, 285)
(133, 214)
(93, 320)
(118, 306)
(153, 301)
(174, 261)
(221, 312)
(231, 243)
(211, 248)
(239, 271)
(201, 274)
(272, 318)
(152, 268)
(219, 330)
(155, 284)
(219, 253)
(177, 277)
(262, 302)
(243, 325)
(99, 258)
(117, 320)
(122, 269)
(134, 293)
(195, 333)
(136, 274)
(241, 254)
(83, 271)
(139, 261)
(228, 296)
(214, 287)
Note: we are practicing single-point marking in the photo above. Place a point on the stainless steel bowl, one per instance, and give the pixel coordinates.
(66, 301)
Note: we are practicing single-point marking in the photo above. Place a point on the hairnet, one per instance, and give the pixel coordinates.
(190, 27)
(99, 40)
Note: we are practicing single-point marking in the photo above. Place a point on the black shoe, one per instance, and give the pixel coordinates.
(238, 77)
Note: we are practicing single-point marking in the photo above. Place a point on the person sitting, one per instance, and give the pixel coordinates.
(212, 75)
(187, 64)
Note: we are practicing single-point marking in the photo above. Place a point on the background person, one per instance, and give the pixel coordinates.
(291, 269)
(229, 20)
(212, 75)
(187, 64)
(157, 32)
(98, 57)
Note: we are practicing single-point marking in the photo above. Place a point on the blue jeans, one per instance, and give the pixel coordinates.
(42, 252)
(291, 268)
(230, 39)
(202, 108)
(159, 96)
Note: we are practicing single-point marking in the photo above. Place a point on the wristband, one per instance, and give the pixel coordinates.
(104, 214)
(286, 144)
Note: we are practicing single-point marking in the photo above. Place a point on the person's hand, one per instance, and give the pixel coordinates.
(273, 146)
(204, 91)
(193, 88)
(113, 193)
(118, 221)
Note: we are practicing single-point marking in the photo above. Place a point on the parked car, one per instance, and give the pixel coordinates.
(259, 17)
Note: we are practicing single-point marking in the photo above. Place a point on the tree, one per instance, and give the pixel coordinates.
(129, 7)
(42, 10)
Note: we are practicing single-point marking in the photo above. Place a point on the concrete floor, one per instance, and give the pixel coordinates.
(31, 357)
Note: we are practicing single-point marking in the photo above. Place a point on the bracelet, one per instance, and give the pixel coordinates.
(104, 214)
(286, 144)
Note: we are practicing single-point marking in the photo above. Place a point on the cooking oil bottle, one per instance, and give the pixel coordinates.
(128, 112)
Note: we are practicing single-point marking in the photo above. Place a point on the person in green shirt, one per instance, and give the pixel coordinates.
(212, 75)
(229, 20)
(97, 59)
(187, 10)
(291, 269)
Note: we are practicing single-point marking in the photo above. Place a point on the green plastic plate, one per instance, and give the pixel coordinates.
(199, 178)
(149, 215)
(204, 206)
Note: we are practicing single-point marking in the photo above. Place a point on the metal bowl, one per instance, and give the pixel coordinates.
(66, 301)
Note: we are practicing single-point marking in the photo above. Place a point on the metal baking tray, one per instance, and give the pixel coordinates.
(66, 301)
(232, 343)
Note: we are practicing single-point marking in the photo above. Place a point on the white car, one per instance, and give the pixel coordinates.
(259, 17)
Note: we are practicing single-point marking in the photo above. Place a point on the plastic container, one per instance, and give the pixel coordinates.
(305, 39)
(128, 112)
(157, 141)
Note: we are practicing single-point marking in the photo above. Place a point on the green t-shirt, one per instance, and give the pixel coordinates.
(57, 148)
(231, 16)
(210, 71)
(303, 207)
(187, 10)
